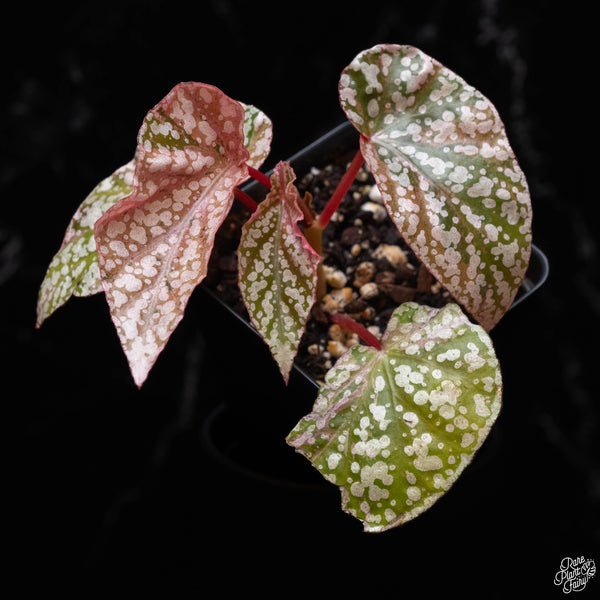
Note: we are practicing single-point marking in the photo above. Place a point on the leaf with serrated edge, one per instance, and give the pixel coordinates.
(74, 269)
(395, 428)
(278, 269)
(447, 174)
(258, 134)
(154, 246)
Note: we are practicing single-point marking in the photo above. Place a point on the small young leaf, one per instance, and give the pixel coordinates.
(278, 269)
(154, 246)
(74, 268)
(395, 428)
(447, 174)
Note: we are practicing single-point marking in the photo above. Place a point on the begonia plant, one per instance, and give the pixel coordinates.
(398, 418)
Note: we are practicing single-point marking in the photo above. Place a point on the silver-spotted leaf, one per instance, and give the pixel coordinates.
(74, 269)
(278, 269)
(154, 245)
(447, 174)
(258, 134)
(395, 428)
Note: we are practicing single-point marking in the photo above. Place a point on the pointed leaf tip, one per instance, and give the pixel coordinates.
(74, 269)
(154, 246)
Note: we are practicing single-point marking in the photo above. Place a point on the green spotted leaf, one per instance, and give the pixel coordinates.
(447, 174)
(74, 269)
(395, 428)
(278, 269)
(154, 245)
(258, 134)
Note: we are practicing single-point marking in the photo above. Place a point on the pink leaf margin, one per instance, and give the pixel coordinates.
(278, 293)
(154, 245)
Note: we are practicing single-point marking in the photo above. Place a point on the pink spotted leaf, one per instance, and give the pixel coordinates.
(278, 269)
(446, 172)
(154, 245)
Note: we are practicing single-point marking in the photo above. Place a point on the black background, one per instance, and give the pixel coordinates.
(109, 484)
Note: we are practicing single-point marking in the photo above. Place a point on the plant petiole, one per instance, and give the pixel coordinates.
(355, 327)
(245, 199)
(341, 190)
(259, 176)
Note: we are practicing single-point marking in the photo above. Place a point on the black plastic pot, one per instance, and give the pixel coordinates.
(343, 140)
(253, 445)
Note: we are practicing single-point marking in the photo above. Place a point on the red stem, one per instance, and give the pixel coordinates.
(261, 177)
(245, 199)
(360, 330)
(341, 190)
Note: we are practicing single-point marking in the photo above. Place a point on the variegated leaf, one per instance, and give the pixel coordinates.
(154, 246)
(258, 134)
(74, 268)
(448, 176)
(395, 428)
(278, 269)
